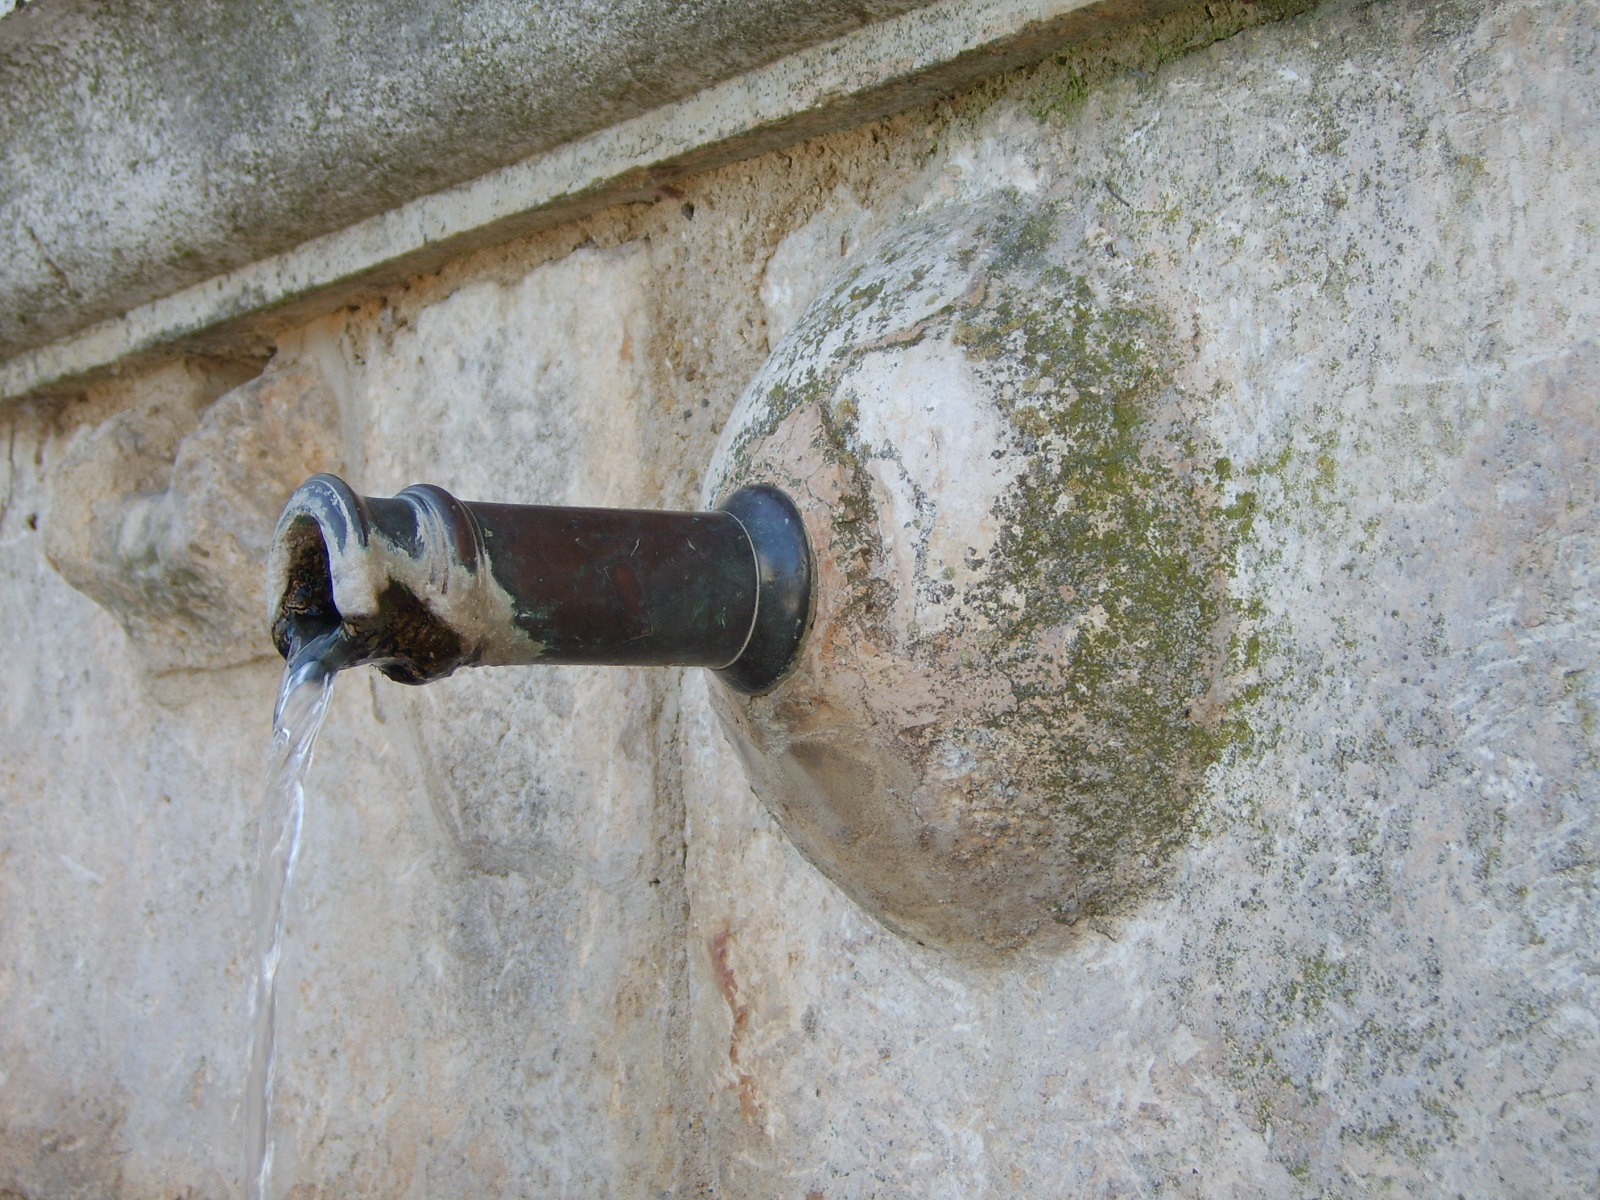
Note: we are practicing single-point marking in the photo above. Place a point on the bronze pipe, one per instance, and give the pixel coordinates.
(423, 583)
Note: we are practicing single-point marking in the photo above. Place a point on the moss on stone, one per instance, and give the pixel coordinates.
(1105, 602)
(1117, 536)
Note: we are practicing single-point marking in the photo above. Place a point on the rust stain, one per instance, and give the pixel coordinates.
(749, 1103)
(729, 986)
(750, 1106)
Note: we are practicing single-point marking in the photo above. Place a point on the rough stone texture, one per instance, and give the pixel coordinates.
(1013, 681)
(1373, 970)
(547, 940)
(157, 512)
(146, 148)
(885, 67)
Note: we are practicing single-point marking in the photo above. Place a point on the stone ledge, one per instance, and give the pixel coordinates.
(863, 75)
(146, 147)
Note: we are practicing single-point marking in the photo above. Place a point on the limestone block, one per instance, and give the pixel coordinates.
(1372, 968)
(1012, 683)
(163, 513)
(488, 978)
(306, 126)
(804, 260)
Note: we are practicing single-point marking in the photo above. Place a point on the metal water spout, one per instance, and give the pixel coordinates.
(422, 583)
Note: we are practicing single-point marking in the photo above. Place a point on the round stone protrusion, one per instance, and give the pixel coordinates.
(1000, 720)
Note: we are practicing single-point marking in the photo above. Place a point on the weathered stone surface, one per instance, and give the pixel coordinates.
(538, 903)
(1014, 678)
(546, 937)
(1372, 967)
(197, 141)
(162, 514)
(892, 65)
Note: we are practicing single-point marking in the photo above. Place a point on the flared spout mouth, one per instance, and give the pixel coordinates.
(421, 583)
(358, 580)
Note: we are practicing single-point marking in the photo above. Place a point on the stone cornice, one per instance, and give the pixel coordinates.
(867, 73)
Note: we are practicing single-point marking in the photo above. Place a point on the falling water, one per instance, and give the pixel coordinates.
(302, 703)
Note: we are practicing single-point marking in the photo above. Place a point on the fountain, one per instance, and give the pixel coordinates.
(977, 646)
(421, 584)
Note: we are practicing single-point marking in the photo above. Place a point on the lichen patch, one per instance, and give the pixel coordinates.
(1025, 548)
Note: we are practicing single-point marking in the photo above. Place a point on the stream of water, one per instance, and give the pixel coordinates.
(302, 704)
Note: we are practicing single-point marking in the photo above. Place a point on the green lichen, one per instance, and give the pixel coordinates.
(1119, 534)
(1319, 982)
(1104, 603)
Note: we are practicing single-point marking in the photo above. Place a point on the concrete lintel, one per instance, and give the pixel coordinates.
(861, 76)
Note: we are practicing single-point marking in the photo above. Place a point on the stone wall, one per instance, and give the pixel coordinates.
(1337, 273)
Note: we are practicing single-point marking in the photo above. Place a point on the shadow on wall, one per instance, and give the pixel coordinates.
(163, 513)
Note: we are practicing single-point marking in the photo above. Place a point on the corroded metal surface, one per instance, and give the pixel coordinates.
(422, 584)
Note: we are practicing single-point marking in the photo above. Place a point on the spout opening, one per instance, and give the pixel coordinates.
(323, 525)
(306, 608)
(360, 580)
